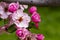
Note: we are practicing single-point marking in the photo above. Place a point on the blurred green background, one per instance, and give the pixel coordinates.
(49, 26)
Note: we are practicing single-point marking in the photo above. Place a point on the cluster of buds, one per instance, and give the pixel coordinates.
(35, 15)
(14, 12)
(25, 34)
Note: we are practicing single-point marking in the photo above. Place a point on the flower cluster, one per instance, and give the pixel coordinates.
(16, 15)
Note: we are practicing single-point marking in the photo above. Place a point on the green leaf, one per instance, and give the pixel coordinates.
(11, 28)
(1, 22)
(1, 19)
(6, 21)
(31, 25)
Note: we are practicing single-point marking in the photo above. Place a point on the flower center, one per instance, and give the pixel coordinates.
(5, 9)
(20, 19)
(28, 38)
(0, 14)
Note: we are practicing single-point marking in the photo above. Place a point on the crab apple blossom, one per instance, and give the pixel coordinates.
(36, 17)
(22, 33)
(13, 7)
(32, 9)
(21, 19)
(3, 15)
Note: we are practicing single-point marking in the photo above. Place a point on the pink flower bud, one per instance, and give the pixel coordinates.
(19, 33)
(36, 17)
(32, 9)
(36, 24)
(22, 33)
(40, 37)
(13, 7)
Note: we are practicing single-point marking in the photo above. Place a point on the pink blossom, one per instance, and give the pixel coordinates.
(32, 9)
(21, 19)
(36, 17)
(13, 7)
(3, 14)
(40, 37)
(22, 33)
